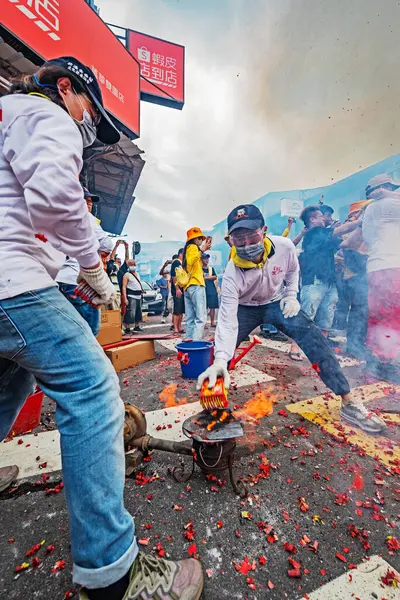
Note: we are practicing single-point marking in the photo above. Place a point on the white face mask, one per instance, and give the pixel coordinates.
(86, 126)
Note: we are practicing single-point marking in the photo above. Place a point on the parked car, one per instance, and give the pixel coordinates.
(152, 300)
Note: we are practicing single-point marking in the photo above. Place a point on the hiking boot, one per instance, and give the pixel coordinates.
(153, 577)
(7, 476)
(357, 414)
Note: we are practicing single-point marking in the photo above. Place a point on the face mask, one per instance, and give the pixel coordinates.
(250, 252)
(132, 269)
(87, 126)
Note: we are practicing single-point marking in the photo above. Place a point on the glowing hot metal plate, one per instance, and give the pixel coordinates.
(215, 426)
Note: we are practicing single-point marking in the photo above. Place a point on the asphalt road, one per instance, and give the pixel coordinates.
(306, 489)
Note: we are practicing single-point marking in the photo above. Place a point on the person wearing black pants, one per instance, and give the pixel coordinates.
(303, 331)
(260, 285)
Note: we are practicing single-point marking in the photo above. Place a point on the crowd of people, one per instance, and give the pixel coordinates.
(55, 258)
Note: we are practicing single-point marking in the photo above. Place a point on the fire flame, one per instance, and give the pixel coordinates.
(259, 406)
(168, 396)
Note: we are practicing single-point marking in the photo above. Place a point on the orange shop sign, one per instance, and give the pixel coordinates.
(162, 68)
(53, 28)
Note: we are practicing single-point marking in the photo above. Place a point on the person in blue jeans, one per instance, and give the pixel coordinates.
(46, 120)
(318, 294)
(68, 275)
(195, 291)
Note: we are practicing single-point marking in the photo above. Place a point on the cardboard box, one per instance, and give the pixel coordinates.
(145, 316)
(109, 335)
(110, 327)
(110, 318)
(131, 354)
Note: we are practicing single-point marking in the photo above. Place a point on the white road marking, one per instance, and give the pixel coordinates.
(246, 375)
(365, 583)
(344, 361)
(170, 344)
(169, 416)
(153, 325)
(46, 445)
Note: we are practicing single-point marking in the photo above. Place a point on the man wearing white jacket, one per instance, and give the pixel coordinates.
(260, 285)
(45, 122)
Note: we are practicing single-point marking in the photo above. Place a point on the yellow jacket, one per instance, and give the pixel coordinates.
(194, 266)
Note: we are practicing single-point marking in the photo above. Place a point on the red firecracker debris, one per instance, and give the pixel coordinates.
(50, 549)
(262, 560)
(36, 562)
(341, 499)
(41, 237)
(59, 566)
(22, 567)
(302, 504)
(160, 550)
(289, 548)
(316, 368)
(341, 557)
(69, 594)
(392, 543)
(391, 578)
(220, 524)
(192, 549)
(270, 585)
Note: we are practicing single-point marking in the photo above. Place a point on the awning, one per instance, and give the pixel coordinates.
(111, 172)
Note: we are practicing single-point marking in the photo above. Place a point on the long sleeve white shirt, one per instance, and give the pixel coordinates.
(40, 194)
(70, 270)
(278, 278)
(381, 232)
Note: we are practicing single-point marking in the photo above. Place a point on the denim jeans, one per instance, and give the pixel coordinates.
(43, 338)
(303, 331)
(89, 313)
(357, 326)
(196, 311)
(319, 301)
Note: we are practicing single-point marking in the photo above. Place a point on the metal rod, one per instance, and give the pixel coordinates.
(149, 443)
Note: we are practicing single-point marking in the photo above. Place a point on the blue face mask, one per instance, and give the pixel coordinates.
(251, 252)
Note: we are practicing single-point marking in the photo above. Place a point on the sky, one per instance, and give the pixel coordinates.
(280, 95)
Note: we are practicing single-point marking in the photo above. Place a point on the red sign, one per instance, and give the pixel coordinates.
(162, 68)
(53, 28)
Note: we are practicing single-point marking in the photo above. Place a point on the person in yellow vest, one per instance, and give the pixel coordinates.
(195, 290)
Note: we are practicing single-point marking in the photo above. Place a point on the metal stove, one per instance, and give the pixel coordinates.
(213, 436)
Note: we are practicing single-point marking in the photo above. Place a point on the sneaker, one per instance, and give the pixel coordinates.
(139, 329)
(153, 577)
(7, 476)
(357, 414)
(163, 321)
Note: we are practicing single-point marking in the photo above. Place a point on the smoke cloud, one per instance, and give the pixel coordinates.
(280, 95)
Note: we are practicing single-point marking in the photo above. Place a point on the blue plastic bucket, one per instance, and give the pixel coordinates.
(199, 356)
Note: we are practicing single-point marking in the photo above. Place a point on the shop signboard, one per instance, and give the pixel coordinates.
(53, 28)
(162, 69)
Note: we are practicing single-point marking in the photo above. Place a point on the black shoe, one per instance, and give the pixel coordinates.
(139, 329)
(278, 336)
(127, 331)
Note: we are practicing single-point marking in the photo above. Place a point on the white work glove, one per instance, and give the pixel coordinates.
(289, 306)
(99, 281)
(218, 369)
